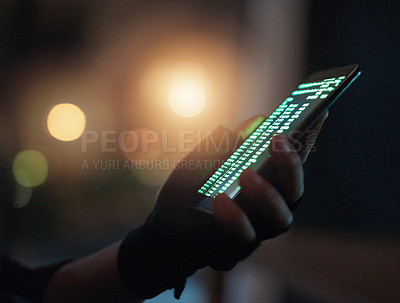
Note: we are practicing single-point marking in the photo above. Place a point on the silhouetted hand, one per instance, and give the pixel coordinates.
(177, 239)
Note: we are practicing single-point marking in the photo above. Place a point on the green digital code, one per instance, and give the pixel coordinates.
(280, 121)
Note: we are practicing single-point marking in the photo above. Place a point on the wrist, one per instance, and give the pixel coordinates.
(145, 268)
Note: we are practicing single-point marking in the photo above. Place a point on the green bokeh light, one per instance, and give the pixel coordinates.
(30, 168)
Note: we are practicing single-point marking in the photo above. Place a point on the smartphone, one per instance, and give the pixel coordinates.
(294, 116)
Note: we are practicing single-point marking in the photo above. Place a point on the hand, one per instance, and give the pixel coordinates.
(271, 203)
(177, 239)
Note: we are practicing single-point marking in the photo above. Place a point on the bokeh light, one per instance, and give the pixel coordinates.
(66, 122)
(23, 196)
(187, 98)
(30, 168)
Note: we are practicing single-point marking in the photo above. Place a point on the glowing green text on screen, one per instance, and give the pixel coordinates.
(257, 143)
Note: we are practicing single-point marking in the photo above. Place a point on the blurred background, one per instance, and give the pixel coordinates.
(82, 83)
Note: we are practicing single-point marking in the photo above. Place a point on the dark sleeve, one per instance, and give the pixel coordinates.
(23, 281)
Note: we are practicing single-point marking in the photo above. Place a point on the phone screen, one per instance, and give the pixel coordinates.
(296, 113)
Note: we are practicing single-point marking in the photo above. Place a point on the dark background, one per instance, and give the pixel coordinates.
(355, 173)
(352, 179)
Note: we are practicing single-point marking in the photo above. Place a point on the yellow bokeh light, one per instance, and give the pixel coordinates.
(187, 98)
(66, 122)
(30, 168)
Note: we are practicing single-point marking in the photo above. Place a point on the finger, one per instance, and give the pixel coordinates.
(250, 125)
(232, 218)
(308, 140)
(288, 167)
(273, 215)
